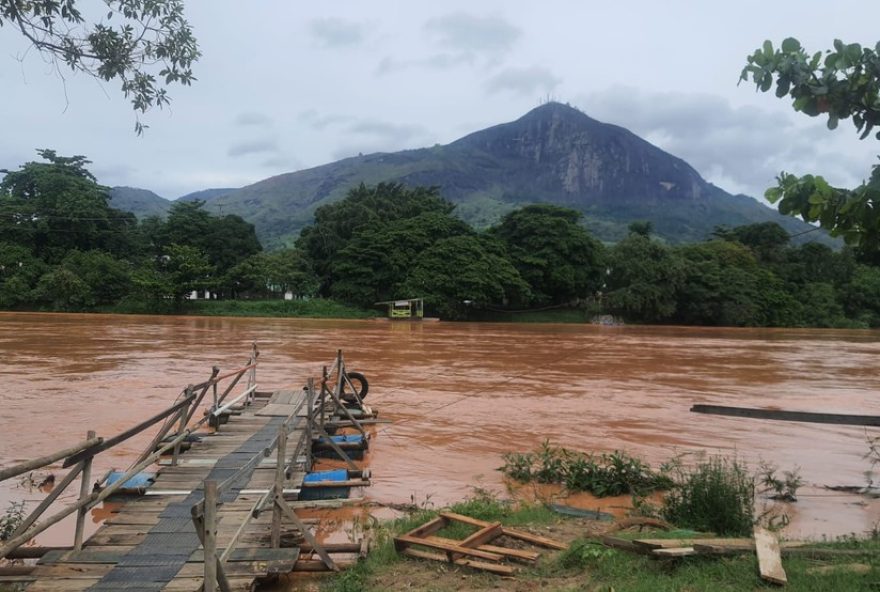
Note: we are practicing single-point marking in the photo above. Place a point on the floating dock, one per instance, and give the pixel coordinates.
(228, 493)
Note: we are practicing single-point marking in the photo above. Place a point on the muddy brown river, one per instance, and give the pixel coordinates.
(461, 395)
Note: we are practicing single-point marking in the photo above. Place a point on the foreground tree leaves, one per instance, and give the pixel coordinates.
(840, 83)
(146, 45)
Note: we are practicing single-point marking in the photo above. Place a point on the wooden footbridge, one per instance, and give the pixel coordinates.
(221, 510)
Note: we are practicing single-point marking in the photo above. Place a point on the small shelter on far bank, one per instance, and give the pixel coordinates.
(409, 309)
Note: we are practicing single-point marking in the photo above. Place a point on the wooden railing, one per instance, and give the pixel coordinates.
(79, 458)
(204, 513)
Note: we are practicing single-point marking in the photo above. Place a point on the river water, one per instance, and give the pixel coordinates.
(461, 395)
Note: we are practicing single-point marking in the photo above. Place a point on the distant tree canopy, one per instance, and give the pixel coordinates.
(65, 248)
(553, 253)
(363, 209)
(841, 83)
(144, 44)
(56, 206)
(62, 247)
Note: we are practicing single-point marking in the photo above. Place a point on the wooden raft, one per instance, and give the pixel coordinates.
(253, 558)
(477, 550)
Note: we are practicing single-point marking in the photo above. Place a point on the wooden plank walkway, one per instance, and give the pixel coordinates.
(150, 543)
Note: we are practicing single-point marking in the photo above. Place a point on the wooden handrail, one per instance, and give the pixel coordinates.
(91, 500)
(111, 442)
(38, 463)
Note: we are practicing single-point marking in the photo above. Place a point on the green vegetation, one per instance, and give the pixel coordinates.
(11, 519)
(587, 564)
(717, 495)
(64, 248)
(314, 308)
(602, 475)
(843, 82)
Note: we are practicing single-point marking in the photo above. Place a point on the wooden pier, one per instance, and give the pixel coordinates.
(221, 512)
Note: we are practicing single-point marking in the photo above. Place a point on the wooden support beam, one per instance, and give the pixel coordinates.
(448, 546)
(325, 557)
(804, 416)
(501, 570)
(511, 532)
(84, 491)
(210, 536)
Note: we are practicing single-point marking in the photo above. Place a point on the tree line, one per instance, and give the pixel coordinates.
(64, 247)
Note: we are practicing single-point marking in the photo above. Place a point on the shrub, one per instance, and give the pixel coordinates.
(717, 495)
(602, 475)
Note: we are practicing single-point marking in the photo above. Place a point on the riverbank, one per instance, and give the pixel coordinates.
(588, 564)
(316, 308)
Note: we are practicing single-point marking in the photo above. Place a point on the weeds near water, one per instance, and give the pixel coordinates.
(583, 553)
(785, 488)
(11, 520)
(603, 475)
(717, 495)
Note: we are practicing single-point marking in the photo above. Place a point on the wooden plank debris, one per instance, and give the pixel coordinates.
(476, 545)
(769, 558)
(780, 415)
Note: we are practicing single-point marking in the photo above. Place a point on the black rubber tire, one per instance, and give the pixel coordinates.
(359, 382)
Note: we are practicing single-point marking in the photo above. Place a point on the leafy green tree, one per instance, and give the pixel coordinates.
(377, 260)
(144, 44)
(226, 240)
(463, 272)
(180, 271)
(643, 280)
(61, 289)
(724, 285)
(107, 278)
(364, 207)
(642, 228)
(556, 256)
(766, 240)
(57, 206)
(274, 272)
(861, 296)
(841, 83)
(19, 272)
(187, 269)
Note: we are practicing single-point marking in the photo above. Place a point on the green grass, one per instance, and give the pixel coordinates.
(482, 505)
(590, 566)
(605, 568)
(314, 308)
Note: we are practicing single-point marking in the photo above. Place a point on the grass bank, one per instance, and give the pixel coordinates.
(318, 308)
(589, 565)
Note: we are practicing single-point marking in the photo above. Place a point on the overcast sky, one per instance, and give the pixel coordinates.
(290, 85)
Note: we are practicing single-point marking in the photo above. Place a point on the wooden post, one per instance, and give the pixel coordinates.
(84, 491)
(210, 542)
(310, 401)
(323, 398)
(279, 486)
(340, 374)
(181, 426)
(215, 419)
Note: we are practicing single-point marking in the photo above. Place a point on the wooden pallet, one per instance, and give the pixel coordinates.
(474, 551)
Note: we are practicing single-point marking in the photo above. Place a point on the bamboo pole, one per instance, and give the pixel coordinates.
(38, 463)
(84, 486)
